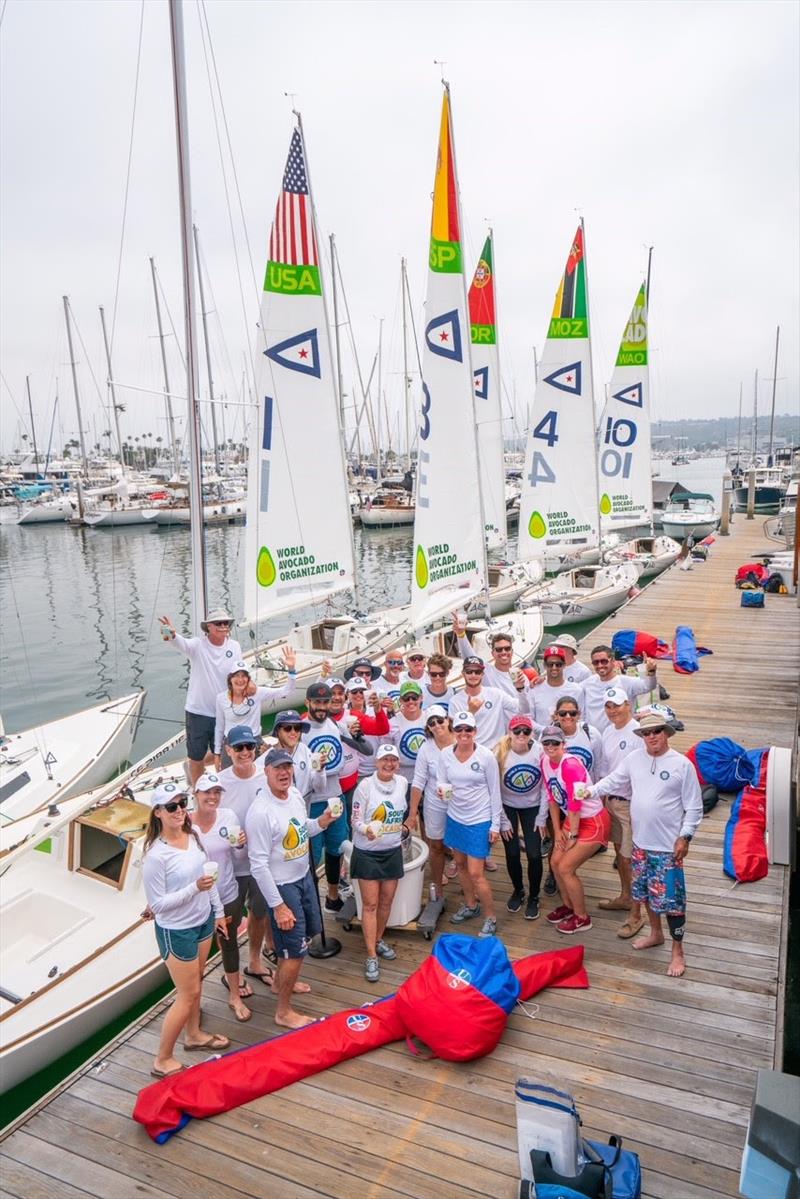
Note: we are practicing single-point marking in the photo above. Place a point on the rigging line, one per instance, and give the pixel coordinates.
(3, 11)
(103, 402)
(171, 322)
(127, 181)
(13, 399)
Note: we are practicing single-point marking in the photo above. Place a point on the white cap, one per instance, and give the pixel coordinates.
(386, 751)
(208, 781)
(355, 684)
(464, 718)
(614, 695)
(237, 666)
(334, 682)
(167, 793)
(567, 641)
(434, 710)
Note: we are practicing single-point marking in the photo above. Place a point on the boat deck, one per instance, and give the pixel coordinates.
(668, 1064)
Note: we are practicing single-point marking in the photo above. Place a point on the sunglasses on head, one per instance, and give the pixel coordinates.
(436, 674)
(566, 712)
(248, 748)
(175, 804)
(437, 720)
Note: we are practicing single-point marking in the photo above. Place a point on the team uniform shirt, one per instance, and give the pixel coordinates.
(447, 700)
(577, 672)
(586, 744)
(560, 783)
(426, 773)
(325, 736)
(229, 714)
(310, 783)
(384, 687)
(492, 677)
(666, 801)
(170, 883)
(211, 665)
(239, 795)
(521, 782)
(594, 695)
(217, 845)
(409, 737)
(277, 833)
(492, 716)
(617, 744)
(385, 802)
(476, 786)
(542, 700)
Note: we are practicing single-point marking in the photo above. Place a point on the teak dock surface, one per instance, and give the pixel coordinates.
(668, 1064)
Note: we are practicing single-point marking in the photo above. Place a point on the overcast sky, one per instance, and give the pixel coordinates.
(665, 124)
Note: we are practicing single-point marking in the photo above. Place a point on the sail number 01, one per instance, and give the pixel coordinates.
(621, 432)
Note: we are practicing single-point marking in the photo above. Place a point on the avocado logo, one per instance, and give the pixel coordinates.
(265, 568)
(537, 526)
(292, 838)
(380, 812)
(606, 506)
(421, 569)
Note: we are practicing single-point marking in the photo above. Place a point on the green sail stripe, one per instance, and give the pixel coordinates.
(445, 257)
(292, 280)
(483, 335)
(579, 302)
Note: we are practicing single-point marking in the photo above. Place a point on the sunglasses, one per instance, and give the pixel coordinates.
(653, 732)
(221, 624)
(405, 698)
(437, 720)
(501, 649)
(242, 749)
(394, 661)
(364, 674)
(436, 674)
(416, 658)
(600, 661)
(291, 728)
(552, 743)
(473, 670)
(566, 713)
(463, 728)
(176, 804)
(521, 732)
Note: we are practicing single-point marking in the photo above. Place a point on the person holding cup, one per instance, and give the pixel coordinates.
(426, 803)
(379, 808)
(182, 895)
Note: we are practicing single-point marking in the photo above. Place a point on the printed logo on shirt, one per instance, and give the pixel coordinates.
(623, 743)
(228, 653)
(522, 778)
(411, 742)
(475, 766)
(582, 754)
(390, 817)
(488, 705)
(301, 765)
(295, 840)
(358, 1022)
(394, 693)
(331, 745)
(557, 793)
(664, 775)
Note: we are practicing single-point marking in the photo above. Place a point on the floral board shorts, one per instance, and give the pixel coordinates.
(658, 881)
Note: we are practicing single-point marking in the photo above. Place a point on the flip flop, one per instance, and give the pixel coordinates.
(245, 990)
(166, 1073)
(263, 976)
(217, 1041)
(269, 955)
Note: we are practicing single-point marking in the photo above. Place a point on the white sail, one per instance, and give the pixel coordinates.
(449, 552)
(299, 546)
(558, 504)
(626, 484)
(488, 406)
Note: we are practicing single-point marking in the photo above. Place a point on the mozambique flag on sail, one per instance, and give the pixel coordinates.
(445, 255)
(481, 299)
(570, 316)
(293, 264)
(633, 347)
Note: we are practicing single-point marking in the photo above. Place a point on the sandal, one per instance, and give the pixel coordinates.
(242, 1016)
(245, 990)
(265, 976)
(215, 1041)
(269, 955)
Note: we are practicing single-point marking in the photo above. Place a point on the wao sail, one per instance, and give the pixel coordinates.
(558, 504)
(488, 407)
(299, 547)
(626, 486)
(449, 566)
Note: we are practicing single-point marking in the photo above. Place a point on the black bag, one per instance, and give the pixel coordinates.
(773, 583)
(594, 1180)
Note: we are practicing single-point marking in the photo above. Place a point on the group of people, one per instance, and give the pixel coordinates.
(556, 765)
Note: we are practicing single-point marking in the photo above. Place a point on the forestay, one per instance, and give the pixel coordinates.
(299, 547)
(624, 451)
(449, 551)
(558, 504)
(488, 406)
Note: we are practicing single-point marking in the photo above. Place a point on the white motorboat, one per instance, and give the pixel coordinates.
(692, 513)
(650, 555)
(46, 512)
(52, 762)
(585, 593)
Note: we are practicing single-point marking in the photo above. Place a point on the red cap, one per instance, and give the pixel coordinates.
(554, 651)
(520, 722)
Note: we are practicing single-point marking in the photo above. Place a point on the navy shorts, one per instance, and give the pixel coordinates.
(301, 897)
(199, 736)
(250, 895)
(183, 943)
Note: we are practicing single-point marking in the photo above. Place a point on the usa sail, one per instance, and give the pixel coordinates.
(488, 407)
(626, 485)
(449, 566)
(299, 547)
(558, 504)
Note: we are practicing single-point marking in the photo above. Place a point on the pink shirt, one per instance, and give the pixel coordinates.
(560, 783)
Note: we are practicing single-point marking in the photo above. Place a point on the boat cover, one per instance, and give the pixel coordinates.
(686, 653)
(628, 642)
(722, 763)
(745, 848)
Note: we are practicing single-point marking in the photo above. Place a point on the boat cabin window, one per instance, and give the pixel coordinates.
(102, 839)
(494, 576)
(585, 578)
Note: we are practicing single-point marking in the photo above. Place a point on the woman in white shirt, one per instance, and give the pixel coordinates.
(426, 802)
(182, 896)
(379, 809)
(519, 758)
(242, 704)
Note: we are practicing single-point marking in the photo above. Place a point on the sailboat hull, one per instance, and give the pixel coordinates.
(584, 594)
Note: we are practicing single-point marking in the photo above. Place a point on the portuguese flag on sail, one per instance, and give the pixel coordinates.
(481, 299)
(570, 315)
(445, 253)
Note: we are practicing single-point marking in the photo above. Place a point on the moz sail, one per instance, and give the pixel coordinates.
(299, 547)
(558, 504)
(488, 407)
(626, 486)
(449, 551)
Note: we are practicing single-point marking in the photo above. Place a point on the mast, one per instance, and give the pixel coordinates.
(75, 389)
(755, 418)
(204, 314)
(739, 427)
(405, 363)
(173, 441)
(33, 426)
(339, 382)
(647, 281)
(111, 388)
(774, 385)
(199, 582)
(591, 385)
(378, 405)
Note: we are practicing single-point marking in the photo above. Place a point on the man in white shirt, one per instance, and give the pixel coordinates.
(499, 672)
(212, 657)
(491, 707)
(605, 676)
(542, 696)
(618, 742)
(388, 683)
(666, 810)
(574, 671)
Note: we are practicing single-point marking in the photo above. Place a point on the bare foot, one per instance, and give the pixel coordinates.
(163, 1067)
(649, 942)
(677, 963)
(292, 1019)
(241, 1012)
(298, 988)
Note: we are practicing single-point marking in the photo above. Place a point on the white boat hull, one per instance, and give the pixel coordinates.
(46, 514)
(679, 529)
(118, 518)
(650, 555)
(379, 517)
(231, 512)
(563, 601)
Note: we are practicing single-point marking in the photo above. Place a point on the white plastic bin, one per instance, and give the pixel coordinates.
(548, 1120)
(407, 903)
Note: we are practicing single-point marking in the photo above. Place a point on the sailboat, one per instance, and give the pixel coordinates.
(624, 452)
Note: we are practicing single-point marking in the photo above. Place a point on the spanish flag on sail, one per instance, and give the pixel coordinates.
(570, 316)
(445, 252)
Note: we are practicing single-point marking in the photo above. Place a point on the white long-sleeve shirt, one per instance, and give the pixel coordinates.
(229, 714)
(239, 794)
(594, 695)
(617, 744)
(325, 736)
(217, 845)
(384, 802)
(492, 677)
(277, 834)
(170, 883)
(577, 672)
(426, 772)
(542, 700)
(476, 786)
(493, 715)
(210, 667)
(666, 801)
(521, 782)
(409, 737)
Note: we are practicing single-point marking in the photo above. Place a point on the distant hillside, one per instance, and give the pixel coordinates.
(722, 432)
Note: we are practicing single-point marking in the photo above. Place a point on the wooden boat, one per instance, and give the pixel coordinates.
(586, 593)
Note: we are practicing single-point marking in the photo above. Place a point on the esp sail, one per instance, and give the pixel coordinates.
(488, 408)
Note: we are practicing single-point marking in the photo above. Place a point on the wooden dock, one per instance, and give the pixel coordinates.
(668, 1064)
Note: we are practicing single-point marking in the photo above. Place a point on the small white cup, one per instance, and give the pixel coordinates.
(445, 791)
(316, 761)
(335, 807)
(234, 832)
(376, 827)
(211, 869)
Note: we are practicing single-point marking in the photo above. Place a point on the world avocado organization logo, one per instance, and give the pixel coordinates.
(332, 746)
(295, 839)
(412, 741)
(582, 754)
(522, 778)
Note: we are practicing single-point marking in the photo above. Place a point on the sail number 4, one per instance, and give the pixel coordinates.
(541, 471)
(621, 432)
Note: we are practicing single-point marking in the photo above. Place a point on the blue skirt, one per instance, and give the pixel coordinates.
(471, 839)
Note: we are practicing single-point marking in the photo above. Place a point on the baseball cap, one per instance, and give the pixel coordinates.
(290, 717)
(552, 732)
(334, 682)
(166, 793)
(567, 641)
(614, 695)
(208, 781)
(355, 684)
(410, 688)
(435, 710)
(554, 651)
(386, 751)
(318, 691)
(465, 719)
(237, 666)
(241, 734)
(474, 660)
(278, 757)
(416, 651)
(520, 722)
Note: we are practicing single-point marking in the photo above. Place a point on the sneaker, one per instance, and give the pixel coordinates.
(334, 905)
(550, 884)
(371, 971)
(385, 951)
(532, 910)
(547, 845)
(465, 912)
(515, 901)
(574, 924)
(559, 914)
(489, 927)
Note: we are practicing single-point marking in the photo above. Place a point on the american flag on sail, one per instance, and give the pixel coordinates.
(292, 240)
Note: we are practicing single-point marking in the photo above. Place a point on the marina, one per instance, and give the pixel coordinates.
(670, 1065)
